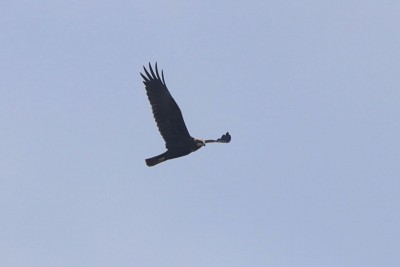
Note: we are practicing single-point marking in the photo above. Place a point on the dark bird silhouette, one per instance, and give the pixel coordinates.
(169, 120)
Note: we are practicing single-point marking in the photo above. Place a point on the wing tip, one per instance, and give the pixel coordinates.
(151, 75)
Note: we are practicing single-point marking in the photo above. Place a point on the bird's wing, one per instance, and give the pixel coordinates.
(166, 112)
(225, 138)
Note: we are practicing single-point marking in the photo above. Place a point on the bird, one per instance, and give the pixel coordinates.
(169, 120)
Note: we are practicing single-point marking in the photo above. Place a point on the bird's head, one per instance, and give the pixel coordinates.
(199, 143)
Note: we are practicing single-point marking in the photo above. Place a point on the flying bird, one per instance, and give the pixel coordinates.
(169, 119)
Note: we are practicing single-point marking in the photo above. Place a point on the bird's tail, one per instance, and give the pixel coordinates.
(155, 160)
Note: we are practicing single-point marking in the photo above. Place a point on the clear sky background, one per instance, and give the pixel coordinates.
(309, 90)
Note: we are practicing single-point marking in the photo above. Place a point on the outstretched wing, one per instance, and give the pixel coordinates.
(166, 112)
(226, 138)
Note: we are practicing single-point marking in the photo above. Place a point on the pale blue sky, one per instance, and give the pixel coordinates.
(309, 90)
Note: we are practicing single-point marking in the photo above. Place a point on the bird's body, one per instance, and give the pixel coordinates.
(176, 152)
(170, 121)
